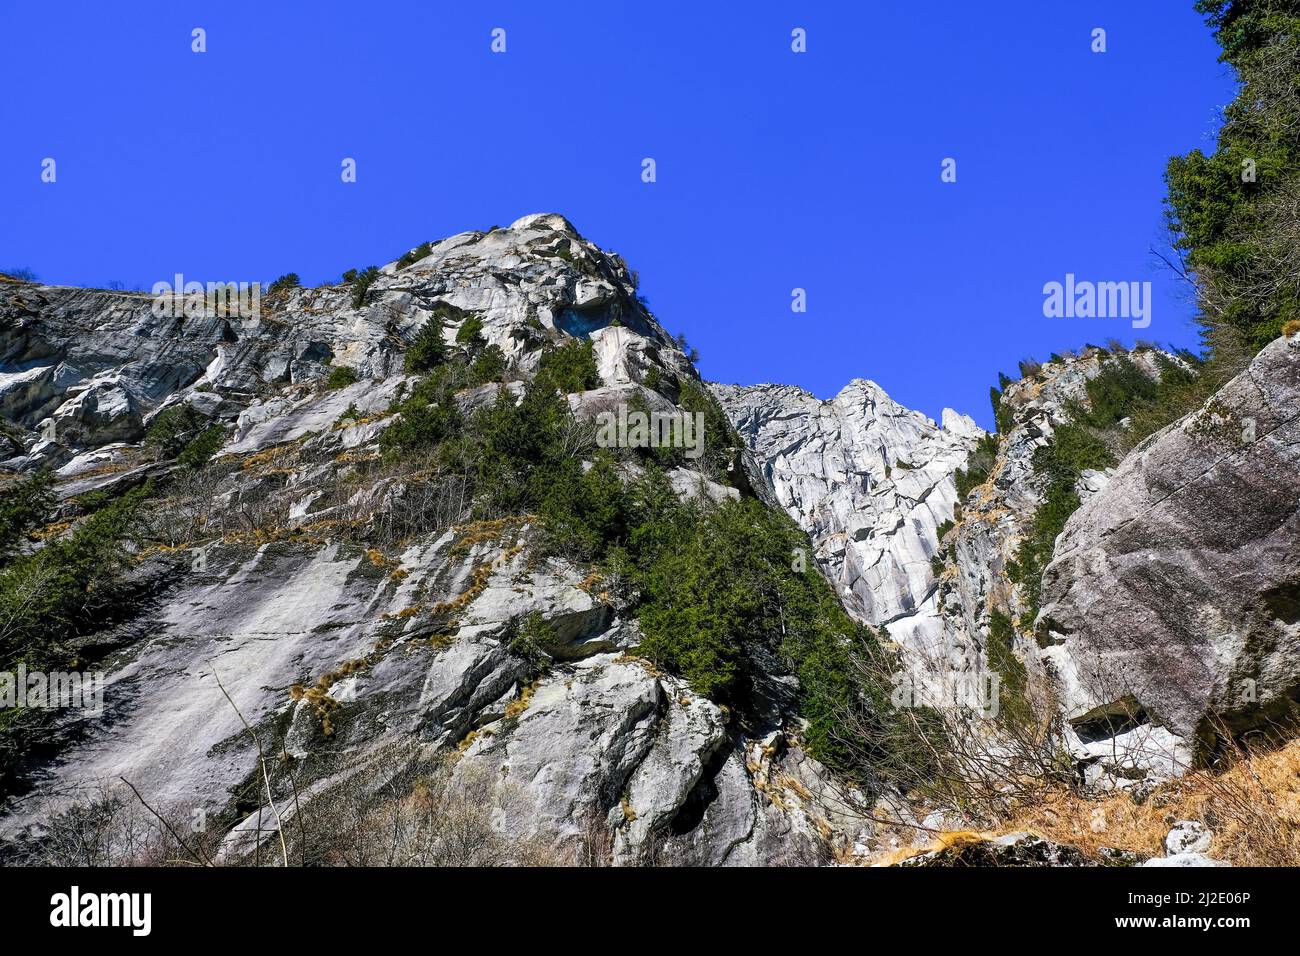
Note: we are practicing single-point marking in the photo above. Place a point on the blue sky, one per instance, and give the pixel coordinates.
(775, 170)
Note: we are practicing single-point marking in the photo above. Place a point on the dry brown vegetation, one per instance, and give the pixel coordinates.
(1252, 807)
(1014, 773)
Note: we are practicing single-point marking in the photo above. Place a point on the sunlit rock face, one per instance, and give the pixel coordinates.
(869, 480)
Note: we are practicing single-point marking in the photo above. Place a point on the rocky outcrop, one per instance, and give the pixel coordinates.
(1174, 595)
(356, 617)
(869, 480)
(84, 367)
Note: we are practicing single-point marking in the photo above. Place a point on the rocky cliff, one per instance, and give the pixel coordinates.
(1174, 595)
(1167, 616)
(870, 481)
(324, 616)
(352, 610)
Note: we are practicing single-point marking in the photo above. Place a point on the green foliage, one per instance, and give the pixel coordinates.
(978, 466)
(1002, 417)
(361, 283)
(429, 416)
(66, 587)
(1231, 231)
(203, 446)
(943, 528)
(173, 429)
(718, 436)
(415, 255)
(686, 348)
(722, 589)
(470, 332)
(585, 511)
(1076, 446)
(1117, 389)
(427, 349)
(570, 367)
(533, 638)
(488, 366)
(26, 505)
(1014, 707)
(1183, 386)
(518, 454)
(340, 376)
(286, 282)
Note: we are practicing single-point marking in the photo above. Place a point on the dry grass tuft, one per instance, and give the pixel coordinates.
(1253, 809)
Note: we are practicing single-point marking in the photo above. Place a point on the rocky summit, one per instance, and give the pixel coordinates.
(362, 581)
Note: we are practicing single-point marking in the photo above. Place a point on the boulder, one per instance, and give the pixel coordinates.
(1174, 595)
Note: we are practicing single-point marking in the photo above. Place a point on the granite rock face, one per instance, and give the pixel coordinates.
(834, 466)
(869, 480)
(1174, 595)
(362, 622)
(358, 618)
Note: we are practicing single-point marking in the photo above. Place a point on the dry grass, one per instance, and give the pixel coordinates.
(480, 532)
(280, 455)
(1252, 808)
(942, 841)
(520, 703)
(318, 696)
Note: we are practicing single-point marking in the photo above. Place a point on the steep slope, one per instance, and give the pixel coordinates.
(869, 480)
(1174, 595)
(333, 577)
(1167, 610)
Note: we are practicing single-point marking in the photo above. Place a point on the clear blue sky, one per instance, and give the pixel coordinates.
(775, 170)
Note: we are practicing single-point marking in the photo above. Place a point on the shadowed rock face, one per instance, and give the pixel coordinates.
(1177, 586)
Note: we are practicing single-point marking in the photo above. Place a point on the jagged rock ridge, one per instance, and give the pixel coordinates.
(332, 650)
